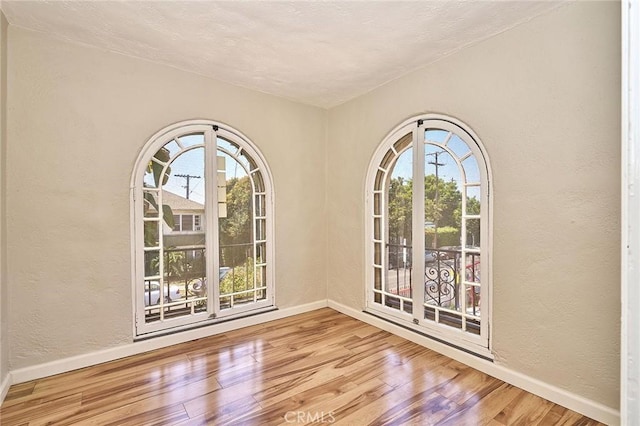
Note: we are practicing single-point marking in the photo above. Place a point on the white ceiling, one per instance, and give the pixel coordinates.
(321, 53)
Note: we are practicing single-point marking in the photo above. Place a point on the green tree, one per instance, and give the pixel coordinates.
(236, 228)
(400, 209)
(440, 210)
(175, 265)
(445, 211)
(473, 225)
(238, 279)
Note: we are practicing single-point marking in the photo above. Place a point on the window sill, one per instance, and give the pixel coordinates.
(204, 323)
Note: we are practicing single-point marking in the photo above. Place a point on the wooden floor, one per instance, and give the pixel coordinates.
(317, 368)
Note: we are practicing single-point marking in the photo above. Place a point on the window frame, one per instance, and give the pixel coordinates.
(211, 131)
(416, 126)
(194, 218)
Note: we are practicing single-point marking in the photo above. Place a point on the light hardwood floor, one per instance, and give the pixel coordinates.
(321, 367)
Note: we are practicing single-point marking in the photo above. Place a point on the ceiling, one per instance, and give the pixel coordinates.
(321, 53)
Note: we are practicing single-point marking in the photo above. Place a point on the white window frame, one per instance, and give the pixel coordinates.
(630, 229)
(480, 345)
(211, 130)
(193, 218)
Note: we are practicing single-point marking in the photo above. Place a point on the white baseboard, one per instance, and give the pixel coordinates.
(4, 387)
(537, 387)
(80, 361)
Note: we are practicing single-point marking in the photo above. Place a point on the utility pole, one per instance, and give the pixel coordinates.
(188, 177)
(435, 216)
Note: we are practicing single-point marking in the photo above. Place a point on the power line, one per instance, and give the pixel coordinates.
(188, 177)
(437, 197)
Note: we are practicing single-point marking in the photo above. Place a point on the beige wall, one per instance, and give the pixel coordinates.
(4, 321)
(544, 99)
(78, 118)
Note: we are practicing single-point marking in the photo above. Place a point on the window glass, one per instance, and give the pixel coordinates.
(433, 277)
(186, 272)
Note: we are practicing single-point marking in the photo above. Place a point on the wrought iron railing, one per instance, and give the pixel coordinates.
(184, 288)
(442, 281)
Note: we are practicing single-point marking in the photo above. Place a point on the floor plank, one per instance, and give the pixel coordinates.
(318, 367)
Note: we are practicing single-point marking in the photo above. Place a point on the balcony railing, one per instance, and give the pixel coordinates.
(444, 282)
(184, 290)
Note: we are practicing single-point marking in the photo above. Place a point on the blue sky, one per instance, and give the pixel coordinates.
(447, 171)
(192, 163)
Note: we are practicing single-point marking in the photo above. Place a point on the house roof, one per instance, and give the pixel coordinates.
(178, 203)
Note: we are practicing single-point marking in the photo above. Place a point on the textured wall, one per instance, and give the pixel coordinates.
(4, 320)
(544, 99)
(78, 118)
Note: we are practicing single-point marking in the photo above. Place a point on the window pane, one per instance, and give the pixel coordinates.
(403, 142)
(183, 197)
(473, 233)
(392, 302)
(450, 319)
(472, 268)
(442, 199)
(473, 300)
(261, 253)
(471, 170)
(192, 140)
(151, 263)
(458, 146)
(441, 280)
(377, 278)
(173, 148)
(261, 232)
(236, 235)
(436, 136)
(196, 271)
(260, 205)
(379, 180)
(473, 200)
(258, 182)
(261, 276)
(186, 180)
(187, 222)
(151, 236)
(386, 160)
(229, 146)
(377, 254)
(400, 211)
(473, 326)
(150, 203)
(148, 180)
(400, 200)
(156, 174)
(248, 162)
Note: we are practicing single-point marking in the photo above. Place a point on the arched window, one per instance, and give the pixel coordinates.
(428, 217)
(202, 227)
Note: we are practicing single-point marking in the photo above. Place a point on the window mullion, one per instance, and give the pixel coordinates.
(418, 241)
(486, 259)
(212, 243)
(161, 252)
